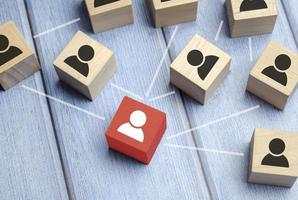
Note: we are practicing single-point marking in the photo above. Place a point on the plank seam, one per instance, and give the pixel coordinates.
(289, 23)
(49, 106)
(189, 125)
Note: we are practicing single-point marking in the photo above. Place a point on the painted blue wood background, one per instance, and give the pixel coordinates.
(50, 150)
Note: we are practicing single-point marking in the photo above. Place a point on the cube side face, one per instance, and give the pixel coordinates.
(137, 141)
(249, 27)
(218, 80)
(126, 149)
(159, 133)
(269, 179)
(251, 153)
(266, 93)
(103, 78)
(199, 68)
(230, 15)
(19, 72)
(173, 12)
(17, 61)
(275, 75)
(187, 86)
(112, 15)
(82, 62)
(274, 157)
(251, 17)
(72, 82)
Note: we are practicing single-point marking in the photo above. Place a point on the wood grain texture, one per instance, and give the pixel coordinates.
(20, 60)
(291, 9)
(30, 164)
(264, 86)
(227, 174)
(252, 22)
(109, 16)
(199, 84)
(97, 72)
(94, 172)
(261, 169)
(173, 12)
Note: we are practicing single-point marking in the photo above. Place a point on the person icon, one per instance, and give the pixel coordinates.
(133, 128)
(276, 147)
(248, 5)
(80, 62)
(196, 58)
(282, 63)
(98, 3)
(7, 52)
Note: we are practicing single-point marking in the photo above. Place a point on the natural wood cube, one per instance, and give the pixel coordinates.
(251, 17)
(85, 65)
(275, 75)
(273, 157)
(169, 12)
(17, 60)
(108, 14)
(199, 69)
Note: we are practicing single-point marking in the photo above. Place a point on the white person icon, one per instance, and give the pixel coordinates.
(133, 128)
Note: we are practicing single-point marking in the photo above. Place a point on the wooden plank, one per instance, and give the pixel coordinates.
(94, 172)
(291, 9)
(226, 123)
(30, 164)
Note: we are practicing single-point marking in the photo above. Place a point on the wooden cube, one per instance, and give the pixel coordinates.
(251, 17)
(273, 157)
(108, 14)
(275, 75)
(17, 60)
(85, 65)
(199, 69)
(136, 130)
(169, 12)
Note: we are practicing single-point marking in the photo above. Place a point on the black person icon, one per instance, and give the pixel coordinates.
(98, 3)
(282, 63)
(79, 63)
(276, 147)
(196, 58)
(7, 52)
(248, 5)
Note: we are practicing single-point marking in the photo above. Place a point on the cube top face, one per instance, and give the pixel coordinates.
(201, 62)
(101, 6)
(136, 125)
(13, 47)
(275, 152)
(161, 4)
(277, 68)
(251, 9)
(83, 58)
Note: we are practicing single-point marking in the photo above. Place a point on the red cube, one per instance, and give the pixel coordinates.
(136, 130)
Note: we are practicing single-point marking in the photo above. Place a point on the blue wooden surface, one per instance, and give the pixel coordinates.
(30, 164)
(52, 151)
(228, 174)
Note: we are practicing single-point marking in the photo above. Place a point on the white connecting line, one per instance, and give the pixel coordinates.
(162, 96)
(204, 149)
(127, 91)
(218, 30)
(250, 49)
(57, 27)
(62, 102)
(161, 61)
(214, 122)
